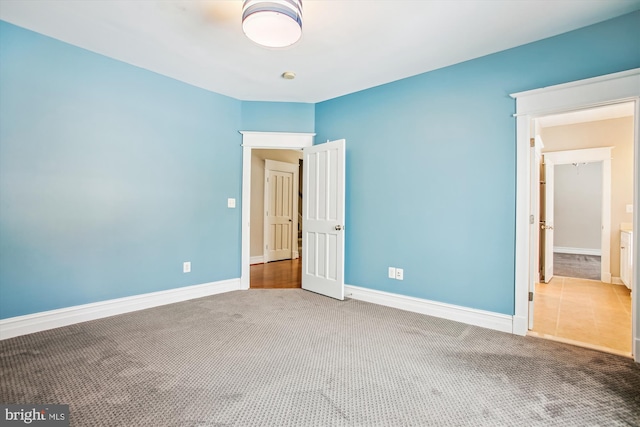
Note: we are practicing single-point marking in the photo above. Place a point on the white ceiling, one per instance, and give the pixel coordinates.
(346, 46)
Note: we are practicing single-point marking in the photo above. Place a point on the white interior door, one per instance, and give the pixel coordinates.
(323, 219)
(548, 220)
(280, 204)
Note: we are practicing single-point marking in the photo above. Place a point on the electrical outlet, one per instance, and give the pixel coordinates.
(186, 267)
(399, 274)
(392, 273)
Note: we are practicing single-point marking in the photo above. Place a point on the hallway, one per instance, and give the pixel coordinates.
(584, 312)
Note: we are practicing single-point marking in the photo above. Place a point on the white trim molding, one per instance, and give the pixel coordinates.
(576, 251)
(585, 155)
(578, 95)
(258, 259)
(530, 105)
(30, 323)
(250, 141)
(485, 319)
(283, 140)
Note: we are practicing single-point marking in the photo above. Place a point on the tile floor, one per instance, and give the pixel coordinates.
(584, 311)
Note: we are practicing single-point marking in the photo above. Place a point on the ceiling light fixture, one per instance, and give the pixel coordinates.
(288, 75)
(272, 23)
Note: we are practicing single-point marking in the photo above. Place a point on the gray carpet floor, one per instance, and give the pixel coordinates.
(293, 358)
(573, 265)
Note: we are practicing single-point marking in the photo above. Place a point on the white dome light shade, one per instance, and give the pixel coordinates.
(275, 23)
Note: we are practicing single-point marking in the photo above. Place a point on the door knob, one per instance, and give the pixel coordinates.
(338, 227)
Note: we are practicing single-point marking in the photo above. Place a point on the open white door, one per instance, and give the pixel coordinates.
(547, 225)
(323, 219)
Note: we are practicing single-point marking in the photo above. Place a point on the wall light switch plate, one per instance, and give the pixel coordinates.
(186, 267)
(231, 203)
(399, 274)
(392, 273)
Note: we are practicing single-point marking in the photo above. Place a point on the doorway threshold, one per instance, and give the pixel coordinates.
(580, 344)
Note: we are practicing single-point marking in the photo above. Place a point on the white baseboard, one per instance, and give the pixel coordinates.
(471, 316)
(30, 323)
(577, 251)
(256, 259)
(616, 281)
(520, 325)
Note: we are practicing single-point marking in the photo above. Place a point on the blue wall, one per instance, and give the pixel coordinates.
(110, 177)
(278, 116)
(431, 165)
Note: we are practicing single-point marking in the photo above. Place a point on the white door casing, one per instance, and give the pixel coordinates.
(323, 219)
(260, 140)
(281, 210)
(549, 174)
(534, 275)
(588, 93)
(626, 258)
(591, 155)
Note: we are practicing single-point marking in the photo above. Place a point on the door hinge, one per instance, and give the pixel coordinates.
(532, 142)
(530, 296)
(531, 219)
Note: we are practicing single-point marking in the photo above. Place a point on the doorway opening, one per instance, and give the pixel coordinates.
(594, 92)
(276, 219)
(577, 242)
(255, 141)
(324, 211)
(575, 197)
(583, 170)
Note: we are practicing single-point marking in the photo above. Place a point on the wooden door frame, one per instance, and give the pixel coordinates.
(294, 169)
(260, 140)
(604, 90)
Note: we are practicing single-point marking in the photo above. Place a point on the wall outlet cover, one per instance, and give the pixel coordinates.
(399, 274)
(186, 267)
